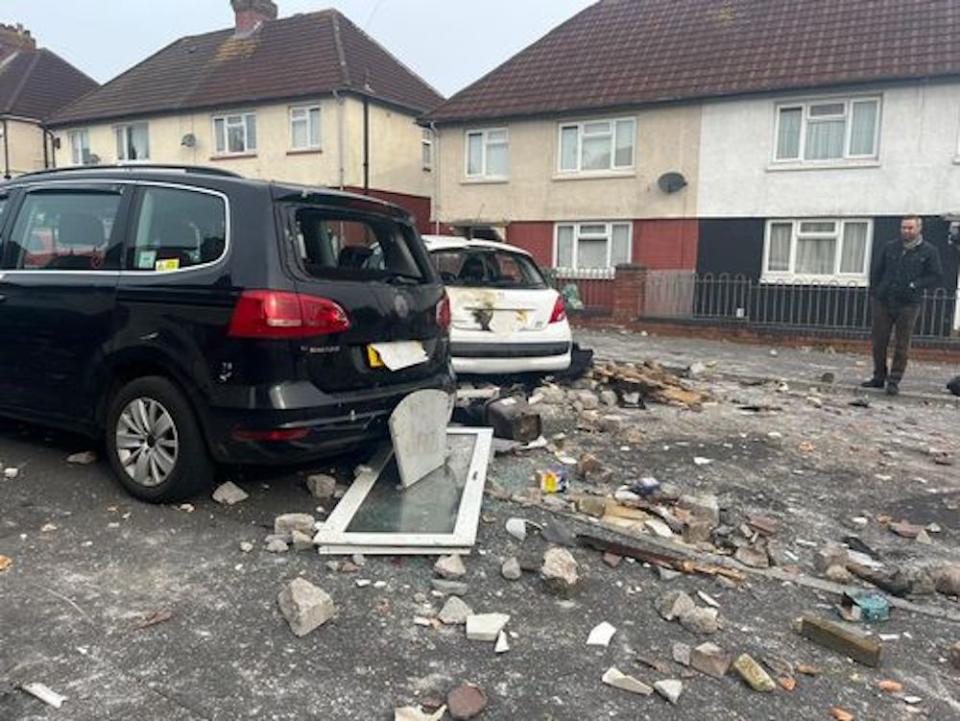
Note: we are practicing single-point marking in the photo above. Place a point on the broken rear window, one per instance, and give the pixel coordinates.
(487, 268)
(352, 248)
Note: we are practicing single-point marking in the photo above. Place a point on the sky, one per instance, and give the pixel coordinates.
(450, 43)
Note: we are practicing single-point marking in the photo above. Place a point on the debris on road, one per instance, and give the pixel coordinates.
(153, 618)
(322, 486)
(284, 524)
(11, 473)
(503, 645)
(670, 689)
(44, 693)
(710, 659)
(616, 678)
(305, 606)
(652, 382)
(230, 493)
(560, 570)
(466, 702)
(5, 563)
(601, 635)
(753, 675)
(835, 637)
(454, 612)
(450, 567)
(416, 713)
(84, 458)
(486, 626)
(511, 570)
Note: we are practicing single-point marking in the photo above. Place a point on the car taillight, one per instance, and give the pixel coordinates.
(559, 311)
(276, 435)
(443, 312)
(279, 314)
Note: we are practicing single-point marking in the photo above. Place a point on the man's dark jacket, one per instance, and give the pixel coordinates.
(899, 277)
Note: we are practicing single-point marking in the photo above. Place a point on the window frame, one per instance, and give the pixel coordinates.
(608, 232)
(805, 105)
(244, 115)
(485, 144)
(307, 109)
(125, 127)
(792, 277)
(614, 169)
(72, 137)
(427, 147)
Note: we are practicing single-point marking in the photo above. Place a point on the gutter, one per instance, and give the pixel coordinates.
(366, 144)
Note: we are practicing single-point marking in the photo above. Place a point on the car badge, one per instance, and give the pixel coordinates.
(402, 306)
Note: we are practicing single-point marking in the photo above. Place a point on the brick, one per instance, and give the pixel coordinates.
(710, 659)
(836, 638)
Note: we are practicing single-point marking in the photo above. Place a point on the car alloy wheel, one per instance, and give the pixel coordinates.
(147, 442)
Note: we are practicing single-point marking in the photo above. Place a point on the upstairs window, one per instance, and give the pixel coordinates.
(133, 142)
(818, 250)
(597, 146)
(488, 153)
(426, 148)
(304, 128)
(828, 130)
(80, 147)
(235, 134)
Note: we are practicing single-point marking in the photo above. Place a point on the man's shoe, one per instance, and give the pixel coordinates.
(873, 383)
(893, 388)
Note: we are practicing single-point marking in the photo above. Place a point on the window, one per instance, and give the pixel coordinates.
(65, 230)
(177, 229)
(817, 250)
(304, 128)
(597, 146)
(133, 142)
(80, 147)
(235, 134)
(488, 153)
(829, 130)
(487, 268)
(341, 247)
(592, 245)
(426, 148)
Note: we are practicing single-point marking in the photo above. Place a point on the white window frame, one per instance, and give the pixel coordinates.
(577, 235)
(804, 107)
(306, 110)
(226, 152)
(484, 133)
(125, 156)
(77, 158)
(614, 168)
(791, 276)
(426, 148)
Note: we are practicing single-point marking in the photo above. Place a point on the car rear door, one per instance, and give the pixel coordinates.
(375, 267)
(58, 279)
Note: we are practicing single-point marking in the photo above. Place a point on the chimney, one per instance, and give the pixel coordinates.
(251, 14)
(14, 38)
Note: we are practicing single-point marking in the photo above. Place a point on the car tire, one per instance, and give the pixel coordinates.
(154, 442)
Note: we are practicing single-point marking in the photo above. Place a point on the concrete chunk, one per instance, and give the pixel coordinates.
(673, 604)
(670, 689)
(454, 612)
(486, 626)
(305, 606)
(616, 678)
(510, 569)
(560, 571)
(450, 588)
(322, 486)
(229, 493)
(449, 567)
(285, 524)
(710, 659)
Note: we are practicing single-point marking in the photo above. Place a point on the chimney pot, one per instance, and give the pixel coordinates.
(251, 14)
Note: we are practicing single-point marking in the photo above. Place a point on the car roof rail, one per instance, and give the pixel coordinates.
(137, 167)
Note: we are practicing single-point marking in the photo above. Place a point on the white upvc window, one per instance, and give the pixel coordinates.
(80, 147)
(597, 146)
(235, 134)
(817, 250)
(828, 130)
(133, 142)
(426, 148)
(488, 154)
(581, 246)
(304, 128)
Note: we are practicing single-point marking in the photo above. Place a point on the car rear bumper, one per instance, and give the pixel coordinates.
(493, 366)
(546, 350)
(324, 428)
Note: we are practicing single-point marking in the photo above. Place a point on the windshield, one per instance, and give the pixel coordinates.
(345, 246)
(487, 268)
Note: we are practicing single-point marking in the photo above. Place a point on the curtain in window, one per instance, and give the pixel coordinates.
(497, 159)
(565, 246)
(626, 132)
(778, 256)
(815, 256)
(251, 121)
(569, 148)
(620, 253)
(825, 139)
(788, 137)
(863, 129)
(592, 253)
(315, 127)
(475, 154)
(299, 126)
(853, 255)
(596, 152)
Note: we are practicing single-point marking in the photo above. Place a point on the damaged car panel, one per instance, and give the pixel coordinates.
(505, 318)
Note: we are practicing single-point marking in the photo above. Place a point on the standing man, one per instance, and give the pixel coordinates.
(901, 272)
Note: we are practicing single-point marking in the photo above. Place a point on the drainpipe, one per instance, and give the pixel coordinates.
(6, 151)
(49, 159)
(341, 172)
(435, 138)
(366, 144)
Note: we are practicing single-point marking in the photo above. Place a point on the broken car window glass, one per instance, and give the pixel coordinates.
(492, 268)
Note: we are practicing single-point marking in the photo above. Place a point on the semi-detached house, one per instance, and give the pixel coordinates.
(309, 98)
(780, 140)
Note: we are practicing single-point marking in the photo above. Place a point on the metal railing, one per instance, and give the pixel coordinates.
(829, 306)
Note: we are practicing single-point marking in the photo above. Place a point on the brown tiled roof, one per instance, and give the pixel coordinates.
(37, 83)
(630, 52)
(300, 56)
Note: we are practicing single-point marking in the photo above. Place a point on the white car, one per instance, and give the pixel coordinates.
(505, 317)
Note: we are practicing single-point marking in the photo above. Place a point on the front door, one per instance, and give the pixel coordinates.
(58, 278)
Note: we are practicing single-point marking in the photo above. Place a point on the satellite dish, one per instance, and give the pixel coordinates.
(672, 182)
(189, 140)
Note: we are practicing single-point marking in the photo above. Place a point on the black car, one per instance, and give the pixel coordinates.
(189, 316)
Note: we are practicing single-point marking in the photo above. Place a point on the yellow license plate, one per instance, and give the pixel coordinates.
(373, 358)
